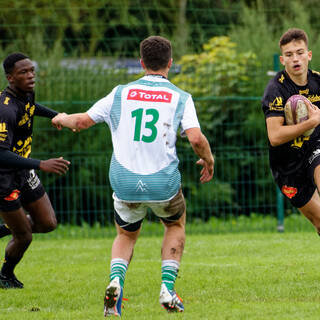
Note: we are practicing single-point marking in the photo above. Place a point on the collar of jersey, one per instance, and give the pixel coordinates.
(154, 78)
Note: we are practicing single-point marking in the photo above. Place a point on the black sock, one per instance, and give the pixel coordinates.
(9, 265)
(4, 230)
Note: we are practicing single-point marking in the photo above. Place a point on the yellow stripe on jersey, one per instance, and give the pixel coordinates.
(3, 127)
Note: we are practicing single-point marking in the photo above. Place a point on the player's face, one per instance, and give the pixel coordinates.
(22, 76)
(295, 58)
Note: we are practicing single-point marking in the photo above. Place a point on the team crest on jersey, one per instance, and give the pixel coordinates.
(290, 192)
(276, 104)
(148, 95)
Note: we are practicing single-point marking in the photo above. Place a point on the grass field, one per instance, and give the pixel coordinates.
(226, 276)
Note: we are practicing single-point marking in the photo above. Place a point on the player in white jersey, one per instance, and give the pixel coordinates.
(144, 117)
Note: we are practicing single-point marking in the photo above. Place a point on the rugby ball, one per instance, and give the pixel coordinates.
(296, 111)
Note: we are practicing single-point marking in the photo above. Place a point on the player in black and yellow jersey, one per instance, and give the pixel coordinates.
(24, 205)
(295, 158)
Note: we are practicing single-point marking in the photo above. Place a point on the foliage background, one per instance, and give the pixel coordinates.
(223, 53)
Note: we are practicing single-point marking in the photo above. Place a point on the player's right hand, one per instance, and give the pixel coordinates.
(56, 121)
(314, 114)
(56, 165)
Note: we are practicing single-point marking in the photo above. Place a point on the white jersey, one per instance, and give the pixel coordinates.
(144, 117)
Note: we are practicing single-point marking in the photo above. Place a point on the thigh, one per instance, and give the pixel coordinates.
(32, 189)
(41, 211)
(316, 176)
(298, 187)
(175, 221)
(10, 191)
(17, 221)
(312, 210)
(130, 212)
(171, 210)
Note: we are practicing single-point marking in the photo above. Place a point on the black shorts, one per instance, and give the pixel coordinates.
(299, 186)
(18, 189)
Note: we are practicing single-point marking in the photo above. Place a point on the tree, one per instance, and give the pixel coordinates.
(220, 80)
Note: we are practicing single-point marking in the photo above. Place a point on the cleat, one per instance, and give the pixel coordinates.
(10, 282)
(113, 299)
(170, 300)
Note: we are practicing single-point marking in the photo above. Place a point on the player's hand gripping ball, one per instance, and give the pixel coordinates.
(296, 111)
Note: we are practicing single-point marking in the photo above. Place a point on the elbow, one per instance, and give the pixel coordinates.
(196, 142)
(274, 141)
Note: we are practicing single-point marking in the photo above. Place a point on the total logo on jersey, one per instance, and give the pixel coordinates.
(148, 95)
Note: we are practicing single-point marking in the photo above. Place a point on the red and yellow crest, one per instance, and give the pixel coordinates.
(290, 192)
(14, 195)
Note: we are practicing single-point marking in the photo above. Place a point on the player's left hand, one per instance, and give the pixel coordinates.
(206, 173)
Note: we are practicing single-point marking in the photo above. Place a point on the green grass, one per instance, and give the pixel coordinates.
(254, 223)
(222, 276)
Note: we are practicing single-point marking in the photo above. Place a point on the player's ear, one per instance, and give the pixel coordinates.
(142, 64)
(281, 60)
(309, 55)
(170, 63)
(9, 77)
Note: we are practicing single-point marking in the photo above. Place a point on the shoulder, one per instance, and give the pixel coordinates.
(179, 90)
(8, 103)
(279, 87)
(277, 82)
(315, 75)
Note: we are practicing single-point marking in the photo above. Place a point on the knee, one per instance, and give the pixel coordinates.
(317, 226)
(130, 236)
(47, 226)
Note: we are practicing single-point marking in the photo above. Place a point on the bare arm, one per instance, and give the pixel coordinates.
(76, 121)
(278, 133)
(201, 147)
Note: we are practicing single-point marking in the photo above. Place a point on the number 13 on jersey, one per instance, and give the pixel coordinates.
(139, 115)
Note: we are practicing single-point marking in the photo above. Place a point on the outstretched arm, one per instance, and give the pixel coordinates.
(76, 121)
(202, 149)
(9, 159)
(43, 111)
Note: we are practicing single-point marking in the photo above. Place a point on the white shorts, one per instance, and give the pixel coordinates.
(132, 212)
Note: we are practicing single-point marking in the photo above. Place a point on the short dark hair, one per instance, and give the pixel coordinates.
(11, 59)
(155, 52)
(293, 34)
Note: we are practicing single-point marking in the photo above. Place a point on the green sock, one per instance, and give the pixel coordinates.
(118, 269)
(169, 272)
